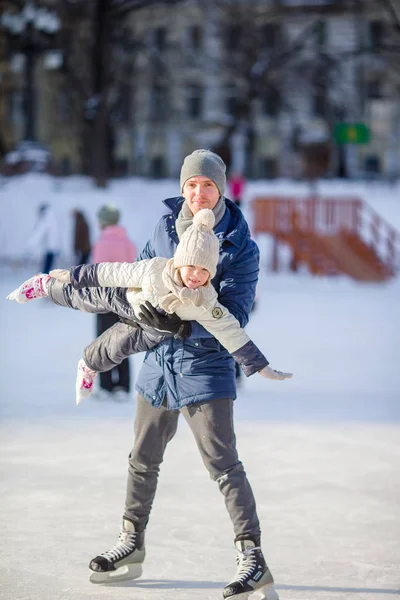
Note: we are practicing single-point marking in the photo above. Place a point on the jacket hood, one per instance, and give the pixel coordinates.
(232, 228)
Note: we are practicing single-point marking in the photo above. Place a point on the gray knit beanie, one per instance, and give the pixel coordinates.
(199, 245)
(206, 163)
(108, 215)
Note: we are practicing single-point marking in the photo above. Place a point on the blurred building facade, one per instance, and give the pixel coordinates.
(259, 81)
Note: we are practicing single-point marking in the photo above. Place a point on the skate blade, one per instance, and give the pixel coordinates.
(122, 574)
(266, 593)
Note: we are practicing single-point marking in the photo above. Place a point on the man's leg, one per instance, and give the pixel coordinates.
(213, 429)
(212, 426)
(154, 428)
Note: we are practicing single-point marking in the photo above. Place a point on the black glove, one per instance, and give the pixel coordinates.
(164, 323)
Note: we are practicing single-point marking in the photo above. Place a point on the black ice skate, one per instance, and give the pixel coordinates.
(122, 561)
(252, 574)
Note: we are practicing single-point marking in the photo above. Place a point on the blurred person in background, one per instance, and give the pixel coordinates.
(81, 237)
(45, 238)
(236, 185)
(113, 245)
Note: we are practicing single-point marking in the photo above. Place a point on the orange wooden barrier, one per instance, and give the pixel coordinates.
(365, 238)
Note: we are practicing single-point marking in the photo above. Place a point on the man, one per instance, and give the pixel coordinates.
(195, 377)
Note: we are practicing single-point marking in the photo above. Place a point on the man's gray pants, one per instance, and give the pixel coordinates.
(212, 426)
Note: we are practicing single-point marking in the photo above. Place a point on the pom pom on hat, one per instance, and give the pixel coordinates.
(199, 245)
(204, 217)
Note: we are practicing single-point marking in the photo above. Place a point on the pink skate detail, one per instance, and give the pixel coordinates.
(36, 287)
(29, 294)
(87, 384)
(84, 381)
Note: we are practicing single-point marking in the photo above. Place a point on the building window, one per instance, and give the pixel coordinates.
(271, 103)
(231, 100)
(320, 34)
(268, 168)
(16, 107)
(232, 37)
(194, 38)
(124, 103)
(319, 99)
(271, 35)
(194, 101)
(319, 104)
(157, 167)
(63, 107)
(376, 34)
(158, 102)
(372, 164)
(374, 89)
(159, 39)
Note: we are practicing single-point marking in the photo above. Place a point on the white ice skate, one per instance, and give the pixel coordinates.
(123, 561)
(253, 577)
(35, 287)
(84, 381)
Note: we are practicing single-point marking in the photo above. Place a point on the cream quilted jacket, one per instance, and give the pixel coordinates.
(145, 282)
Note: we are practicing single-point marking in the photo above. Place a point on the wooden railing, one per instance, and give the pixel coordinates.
(285, 215)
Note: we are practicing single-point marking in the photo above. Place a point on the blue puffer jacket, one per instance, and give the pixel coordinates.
(199, 368)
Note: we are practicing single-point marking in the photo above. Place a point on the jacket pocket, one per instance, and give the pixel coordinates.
(210, 344)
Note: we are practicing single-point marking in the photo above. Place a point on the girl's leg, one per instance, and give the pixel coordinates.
(92, 300)
(108, 351)
(117, 343)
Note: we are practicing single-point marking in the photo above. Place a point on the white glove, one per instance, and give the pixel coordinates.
(269, 373)
(62, 275)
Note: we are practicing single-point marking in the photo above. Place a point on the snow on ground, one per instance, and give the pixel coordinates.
(321, 451)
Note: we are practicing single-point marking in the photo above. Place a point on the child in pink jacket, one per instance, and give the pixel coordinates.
(113, 245)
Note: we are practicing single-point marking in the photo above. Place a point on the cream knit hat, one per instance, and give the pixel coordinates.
(199, 245)
(206, 163)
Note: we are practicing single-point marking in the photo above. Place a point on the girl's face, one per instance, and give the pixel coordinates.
(194, 276)
(200, 192)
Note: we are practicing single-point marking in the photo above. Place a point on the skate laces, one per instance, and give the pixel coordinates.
(246, 562)
(125, 545)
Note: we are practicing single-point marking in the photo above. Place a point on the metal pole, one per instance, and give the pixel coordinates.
(30, 92)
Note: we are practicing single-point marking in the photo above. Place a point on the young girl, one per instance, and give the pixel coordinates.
(179, 285)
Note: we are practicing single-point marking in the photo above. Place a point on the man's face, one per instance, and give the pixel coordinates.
(200, 192)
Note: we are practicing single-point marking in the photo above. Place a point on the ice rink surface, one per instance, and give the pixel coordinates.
(322, 453)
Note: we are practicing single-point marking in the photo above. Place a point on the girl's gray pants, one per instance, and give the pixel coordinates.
(121, 340)
(212, 426)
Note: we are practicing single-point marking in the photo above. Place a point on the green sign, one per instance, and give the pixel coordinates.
(351, 133)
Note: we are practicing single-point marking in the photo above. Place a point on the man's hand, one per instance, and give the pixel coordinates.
(164, 323)
(269, 373)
